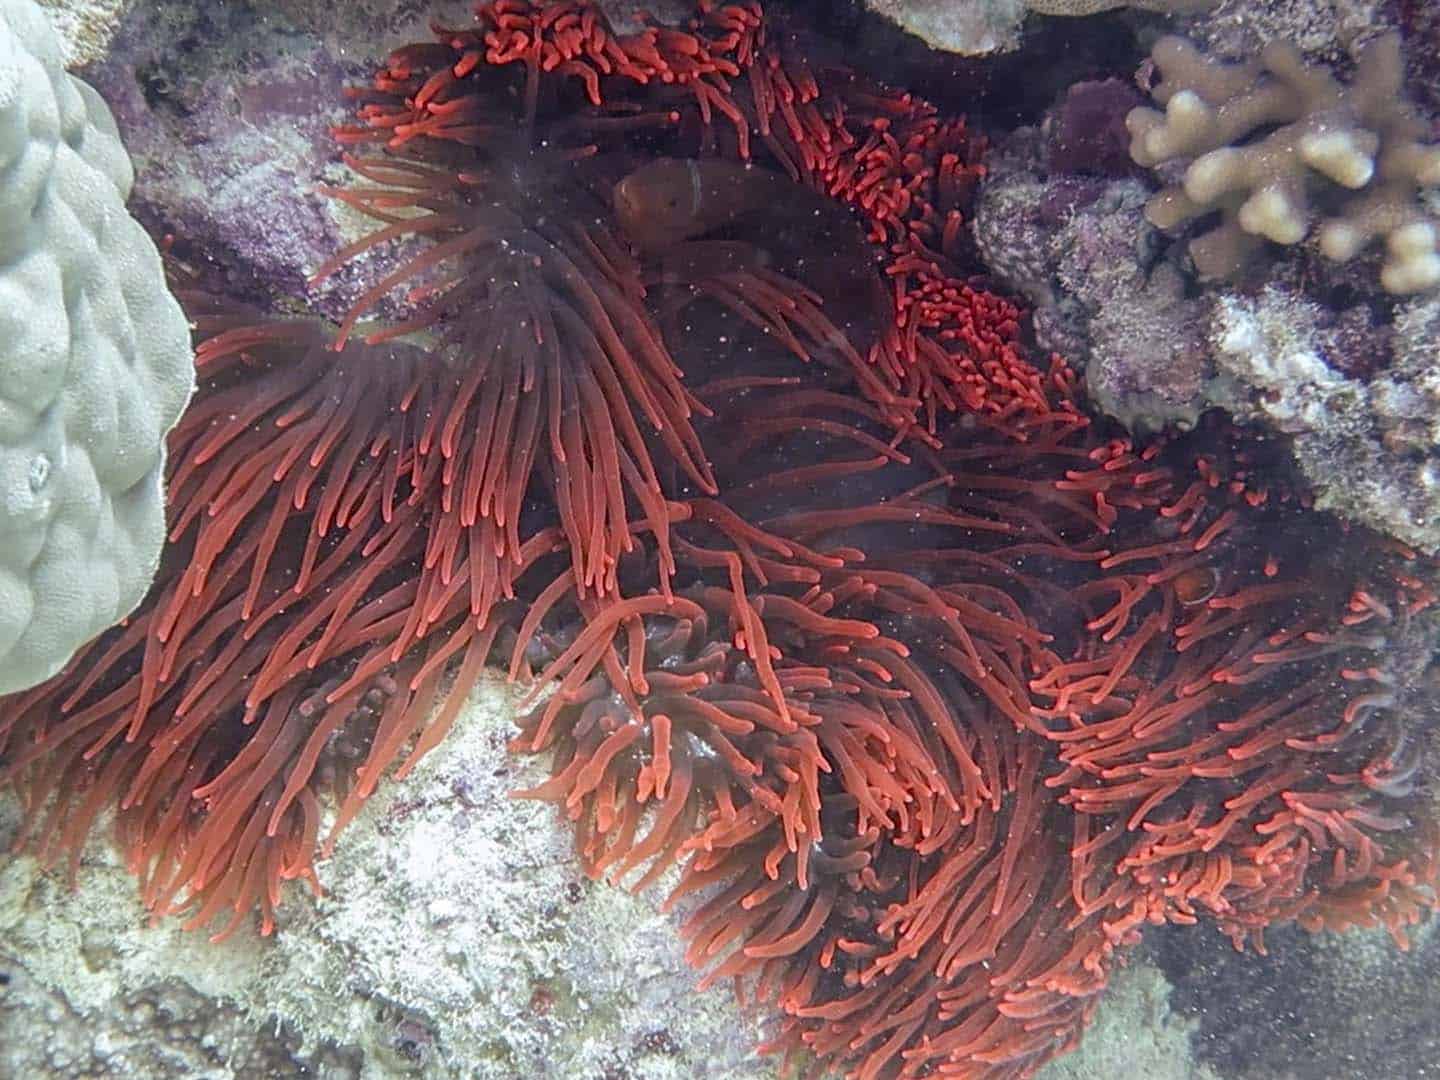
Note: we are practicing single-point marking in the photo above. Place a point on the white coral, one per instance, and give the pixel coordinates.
(1263, 140)
(95, 364)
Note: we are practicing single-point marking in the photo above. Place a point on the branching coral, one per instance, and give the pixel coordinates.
(1276, 142)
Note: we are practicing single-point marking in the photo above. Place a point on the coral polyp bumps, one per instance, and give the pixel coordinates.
(935, 691)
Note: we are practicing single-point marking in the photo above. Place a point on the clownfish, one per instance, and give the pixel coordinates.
(663, 205)
(670, 200)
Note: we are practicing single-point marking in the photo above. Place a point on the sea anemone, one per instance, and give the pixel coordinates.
(734, 110)
(285, 648)
(835, 752)
(933, 694)
(1029, 722)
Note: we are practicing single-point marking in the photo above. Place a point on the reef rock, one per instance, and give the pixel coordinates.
(456, 938)
(1354, 388)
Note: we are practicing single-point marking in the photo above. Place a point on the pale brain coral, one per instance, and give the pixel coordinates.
(1285, 152)
(95, 364)
(982, 27)
(1095, 7)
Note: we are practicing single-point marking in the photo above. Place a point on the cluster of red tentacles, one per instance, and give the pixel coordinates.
(929, 857)
(933, 692)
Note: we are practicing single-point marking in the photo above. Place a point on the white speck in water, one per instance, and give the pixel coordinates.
(39, 472)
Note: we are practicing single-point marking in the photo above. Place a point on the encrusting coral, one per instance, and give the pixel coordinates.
(1284, 150)
(940, 690)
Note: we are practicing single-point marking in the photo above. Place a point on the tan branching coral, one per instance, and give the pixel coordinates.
(1285, 151)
